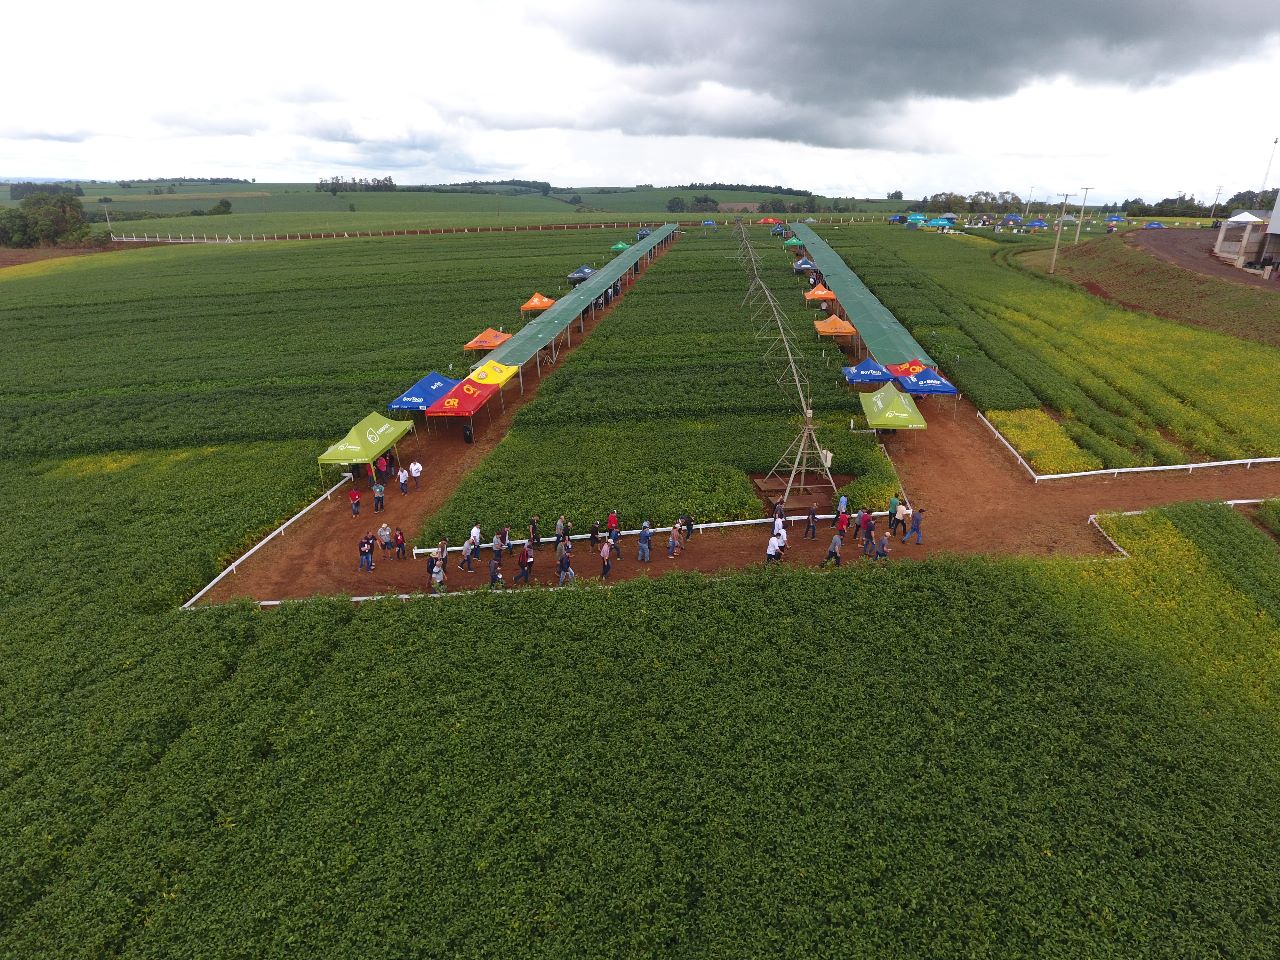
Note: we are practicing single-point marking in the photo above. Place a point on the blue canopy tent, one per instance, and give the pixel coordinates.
(1115, 218)
(582, 273)
(803, 264)
(708, 223)
(1037, 222)
(916, 217)
(1011, 219)
(1153, 225)
(926, 383)
(424, 393)
(868, 371)
(778, 230)
(938, 222)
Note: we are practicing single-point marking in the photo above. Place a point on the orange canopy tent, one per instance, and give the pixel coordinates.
(819, 293)
(488, 340)
(768, 220)
(834, 327)
(536, 302)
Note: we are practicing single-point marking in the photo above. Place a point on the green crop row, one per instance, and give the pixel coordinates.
(1269, 514)
(1132, 389)
(1245, 556)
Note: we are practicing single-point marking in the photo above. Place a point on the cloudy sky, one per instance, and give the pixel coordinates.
(847, 97)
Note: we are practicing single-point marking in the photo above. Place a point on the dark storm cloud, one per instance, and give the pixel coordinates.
(849, 60)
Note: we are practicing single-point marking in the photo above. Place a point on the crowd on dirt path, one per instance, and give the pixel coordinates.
(899, 518)
(603, 543)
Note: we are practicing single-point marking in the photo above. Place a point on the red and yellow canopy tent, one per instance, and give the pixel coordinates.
(536, 302)
(472, 394)
(488, 340)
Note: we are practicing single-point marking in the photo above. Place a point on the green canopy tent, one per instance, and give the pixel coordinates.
(619, 247)
(793, 242)
(366, 442)
(889, 409)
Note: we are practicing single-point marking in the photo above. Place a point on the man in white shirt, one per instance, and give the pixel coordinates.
(415, 471)
(403, 477)
(475, 538)
(771, 552)
(777, 524)
(782, 540)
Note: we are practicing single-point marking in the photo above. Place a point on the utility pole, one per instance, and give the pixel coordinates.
(1026, 211)
(1216, 195)
(1058, 233)
(1080, 222)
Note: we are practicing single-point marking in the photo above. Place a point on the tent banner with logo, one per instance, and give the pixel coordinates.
(907, 368)
(493, 372)
(423, 393)
(927, 382)
(367, 440)
(834, 327)
(536, 302)
(464, 400)
(488, 340)
(819, 293)
(887, 409)
(868, 371)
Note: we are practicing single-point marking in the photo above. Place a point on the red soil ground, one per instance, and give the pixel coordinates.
(977, 499)
(1193, 250)
(10, 257)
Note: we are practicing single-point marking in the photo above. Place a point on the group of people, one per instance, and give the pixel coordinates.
(863, 522)
(603, 540)
(380, 473)
(392, 543)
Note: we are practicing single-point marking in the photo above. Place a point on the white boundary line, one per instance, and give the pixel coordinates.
(1116, 471)
(278, 531)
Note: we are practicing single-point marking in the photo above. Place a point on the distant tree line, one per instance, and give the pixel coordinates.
(177, 181)
(44, 220)
(700, 204)
(336, 185)
(744, 187)
(1006, 201)
(221, 208)
(19, 190)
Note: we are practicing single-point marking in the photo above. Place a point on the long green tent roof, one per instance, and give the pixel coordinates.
(885, 337)
(540, 331)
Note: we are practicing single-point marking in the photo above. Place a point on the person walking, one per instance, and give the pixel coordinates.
(398, 539)
(611, 525)
(354, 496)
(901, 515)
(782, 541)
(437, 555)
(646, 537)
(869, 537)
(495, 571)
(468, 547)
(841, 507)
(893, 513)
(882, 548)
(366, 551)
(565, 565)
(771, 551)
(688, 525)
(917, 517)
(525, 561)
(415, 471)
(777, 523)
(535, 539)
(379, 491)
(560, 528)
(403, 476)
(833, 551)
(384, 539)
(842, 523)
(380, 468)
(594, 536)
(438, 572)
(606, 557)
(811, 524)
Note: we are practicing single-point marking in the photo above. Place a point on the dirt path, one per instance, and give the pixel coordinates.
(1193, 250)
(11, 257)
(976, 497)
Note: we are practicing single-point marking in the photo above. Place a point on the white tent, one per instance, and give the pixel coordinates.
(1245, 217)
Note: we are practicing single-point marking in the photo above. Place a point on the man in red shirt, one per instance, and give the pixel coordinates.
(842, 523)
(354, 496)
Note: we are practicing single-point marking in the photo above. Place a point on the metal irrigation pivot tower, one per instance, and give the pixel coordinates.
(1057, 238)
(805, 456)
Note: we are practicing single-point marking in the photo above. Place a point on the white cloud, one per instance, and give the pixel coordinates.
(596, 94)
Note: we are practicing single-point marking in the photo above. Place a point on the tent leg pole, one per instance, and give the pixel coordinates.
(521, 374)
